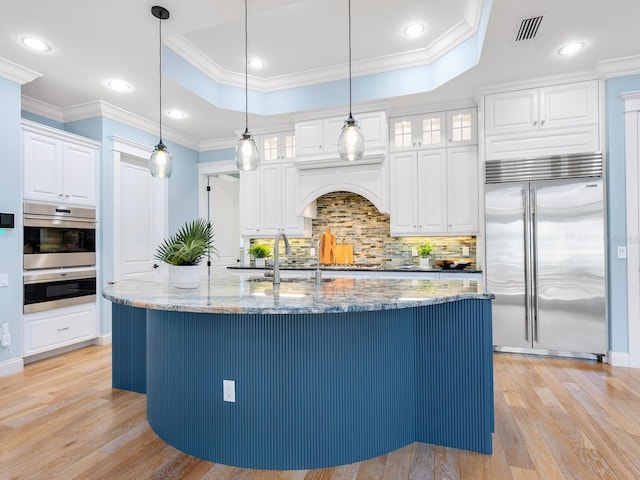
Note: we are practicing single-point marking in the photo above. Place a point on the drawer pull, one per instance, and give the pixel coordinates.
(63, 329)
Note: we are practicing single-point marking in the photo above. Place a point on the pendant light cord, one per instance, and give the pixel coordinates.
(350, 59)
(246, 70)
(160, 72)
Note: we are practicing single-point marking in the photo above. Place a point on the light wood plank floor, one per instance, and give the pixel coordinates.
(555, 419)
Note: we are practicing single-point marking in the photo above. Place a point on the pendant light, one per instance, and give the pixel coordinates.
(247, 156)
(160, 161)
(351, 141)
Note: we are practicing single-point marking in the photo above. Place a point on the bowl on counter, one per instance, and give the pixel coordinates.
(451, 264)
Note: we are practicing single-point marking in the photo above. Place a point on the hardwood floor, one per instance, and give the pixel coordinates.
(555, 419)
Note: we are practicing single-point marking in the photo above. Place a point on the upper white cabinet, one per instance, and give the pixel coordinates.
(434, 192)
(318, 138)
(462, 127)
(268, 202)
(58, 167)
(451, 128)
(418, 131)
(277, 146)
(541, 121)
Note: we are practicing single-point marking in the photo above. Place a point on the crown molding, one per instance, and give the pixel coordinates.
(458, 33)
(618, 67)
(218, 144)
(17, 73)
(43, 109)
(99, 108)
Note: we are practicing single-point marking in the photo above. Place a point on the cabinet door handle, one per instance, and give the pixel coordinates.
(63, 329)
(60, 195)
(535, 123)
(542, 122)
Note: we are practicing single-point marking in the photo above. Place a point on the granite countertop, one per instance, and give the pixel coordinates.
(358, 268)
(247, 294)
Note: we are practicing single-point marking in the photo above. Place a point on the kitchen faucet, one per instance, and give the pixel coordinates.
(276, 263)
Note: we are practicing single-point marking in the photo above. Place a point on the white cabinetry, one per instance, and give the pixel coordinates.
(434, 192)
(318, 138)
(418, 192)
(462, 190)
(451, 128)
(556, 119)
(58, 167)
(268, 202)
(51, 329)
(277, 146)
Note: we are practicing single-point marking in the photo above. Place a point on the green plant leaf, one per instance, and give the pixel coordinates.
(189, 245)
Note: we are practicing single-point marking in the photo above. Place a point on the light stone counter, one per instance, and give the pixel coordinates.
(246, 294)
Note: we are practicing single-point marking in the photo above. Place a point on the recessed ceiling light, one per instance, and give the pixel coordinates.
(414, 30)
(35, 44)
(571, 48)
(177, 114)
(256, 63)
(118, 85)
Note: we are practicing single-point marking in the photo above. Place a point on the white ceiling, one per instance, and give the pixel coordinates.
(300, 40)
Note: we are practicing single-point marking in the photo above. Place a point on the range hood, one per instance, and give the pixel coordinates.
(324, 162)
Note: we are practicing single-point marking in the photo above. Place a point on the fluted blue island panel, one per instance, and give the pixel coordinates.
(317, 387)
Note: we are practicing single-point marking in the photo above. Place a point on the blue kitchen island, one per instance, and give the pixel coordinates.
(323, 374)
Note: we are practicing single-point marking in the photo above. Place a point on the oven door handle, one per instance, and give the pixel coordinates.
(58, 222)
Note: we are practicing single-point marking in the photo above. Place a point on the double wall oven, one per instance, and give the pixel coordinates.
(59, 256)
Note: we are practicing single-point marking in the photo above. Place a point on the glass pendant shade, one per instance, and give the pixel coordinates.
(160, 162)
(351, 141)
(247, 156)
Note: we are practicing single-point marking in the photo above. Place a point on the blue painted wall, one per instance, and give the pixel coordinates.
(616, 212)
(42, 120)
(11, 202)
(217, 155)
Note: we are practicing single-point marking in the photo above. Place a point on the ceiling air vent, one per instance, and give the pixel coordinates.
(528, 28)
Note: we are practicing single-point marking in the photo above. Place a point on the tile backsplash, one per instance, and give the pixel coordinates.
(356, 221)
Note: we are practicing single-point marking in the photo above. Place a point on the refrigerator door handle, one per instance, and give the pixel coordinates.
(534, 264)
(527, 266)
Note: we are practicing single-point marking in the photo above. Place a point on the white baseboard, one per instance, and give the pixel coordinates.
(619, 359)
(12, 366)
(104, 339)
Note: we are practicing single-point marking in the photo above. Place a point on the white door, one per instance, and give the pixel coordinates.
(223, 208)
(140, 218)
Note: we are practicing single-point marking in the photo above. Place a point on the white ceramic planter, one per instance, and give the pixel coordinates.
(260, 262)
(425, 262)
(185, 276)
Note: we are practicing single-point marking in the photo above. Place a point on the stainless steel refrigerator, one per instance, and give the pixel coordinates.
(545, 255)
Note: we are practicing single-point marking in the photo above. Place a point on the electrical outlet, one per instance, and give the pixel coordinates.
(4, 328)
(4, 279)
(465, 251)
(622, 252)
(5, 340)
(228, 390)
(312, 252)
(414, 251)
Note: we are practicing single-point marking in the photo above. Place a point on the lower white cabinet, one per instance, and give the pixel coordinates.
(268, 202)
(51, 329)
(434, 192)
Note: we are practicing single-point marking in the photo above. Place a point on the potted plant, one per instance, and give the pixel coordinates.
(184, 251)
(424, 251)
(260, 252)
